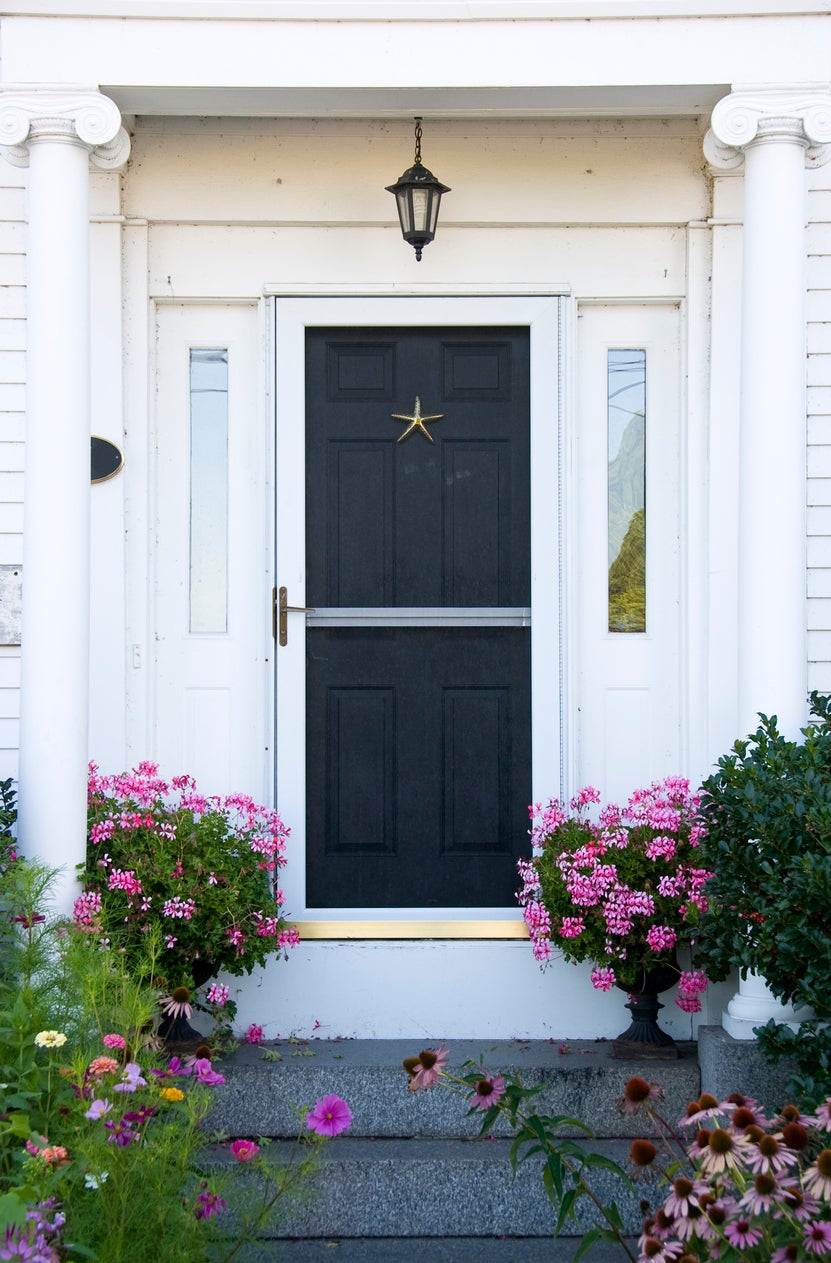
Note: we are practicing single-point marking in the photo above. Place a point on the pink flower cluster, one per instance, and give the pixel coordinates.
(691, 985)
(150, 838)
(177, 907)
(85, 910)
(619, 887)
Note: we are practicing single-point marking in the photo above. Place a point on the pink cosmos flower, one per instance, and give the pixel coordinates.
(205, 1072)
(488, 1092)
(208, 1204)
(244, 1150)
(131, 1078)
(114, 1041)
(330, 1116)
(254, 1034)
(97, 1110)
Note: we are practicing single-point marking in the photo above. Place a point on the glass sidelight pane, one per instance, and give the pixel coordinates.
(209, 490)
(627, 490)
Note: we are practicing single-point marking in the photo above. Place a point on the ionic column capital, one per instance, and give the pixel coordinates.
(800, 115)
(73, 115)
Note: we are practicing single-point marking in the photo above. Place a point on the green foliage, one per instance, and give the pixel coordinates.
(567, 1165)
(8, 808)
(95, 1122)
(768, 815)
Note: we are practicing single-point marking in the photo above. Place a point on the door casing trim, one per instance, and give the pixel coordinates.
(542, 313)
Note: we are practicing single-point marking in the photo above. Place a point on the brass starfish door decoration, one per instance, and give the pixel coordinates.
(417, 421)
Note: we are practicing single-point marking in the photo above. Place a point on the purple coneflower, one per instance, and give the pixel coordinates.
(638, 1092)
(817, 1178)
(741, 1233)
(817, 1239)
(176, 1004)
(487, 1092)
(425, 1069)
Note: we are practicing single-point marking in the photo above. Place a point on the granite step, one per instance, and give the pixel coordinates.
(580, 1079)
(429, 1250)
(425, 1188)
(410, 1179)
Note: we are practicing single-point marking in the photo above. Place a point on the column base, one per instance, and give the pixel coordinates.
(755, 1005)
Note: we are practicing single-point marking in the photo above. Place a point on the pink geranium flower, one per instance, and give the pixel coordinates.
(330, 1116)
(254, 1034)
(244, 1150)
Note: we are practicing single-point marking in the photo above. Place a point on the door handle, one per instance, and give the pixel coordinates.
(281, 610)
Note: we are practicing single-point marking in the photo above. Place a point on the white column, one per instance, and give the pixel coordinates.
(776, 133)
(55, 132)
(774, 130)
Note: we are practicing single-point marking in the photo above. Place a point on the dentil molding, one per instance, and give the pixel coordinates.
(78, 115)
(799, 114)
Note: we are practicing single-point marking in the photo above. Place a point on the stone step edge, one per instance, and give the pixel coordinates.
(431, 1188)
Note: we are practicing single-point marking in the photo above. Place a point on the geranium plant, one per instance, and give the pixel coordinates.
(196, 876)
(621, 887)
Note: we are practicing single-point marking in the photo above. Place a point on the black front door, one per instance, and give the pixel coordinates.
(418, 657)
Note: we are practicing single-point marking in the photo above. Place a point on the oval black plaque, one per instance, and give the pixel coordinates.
(105, 459)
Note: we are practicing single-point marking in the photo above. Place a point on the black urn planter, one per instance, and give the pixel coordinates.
(644, 1037)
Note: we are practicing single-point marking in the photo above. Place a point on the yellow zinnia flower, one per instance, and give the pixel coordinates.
(50, 1039)
(172, 1094)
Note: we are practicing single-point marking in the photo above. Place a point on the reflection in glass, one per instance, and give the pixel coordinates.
(209, 491)
(627, 490)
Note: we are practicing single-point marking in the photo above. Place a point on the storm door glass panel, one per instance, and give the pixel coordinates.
(209, 490)
(418, 647)
(627, 490)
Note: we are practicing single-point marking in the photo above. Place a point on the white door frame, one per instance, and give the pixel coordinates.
(542, 315)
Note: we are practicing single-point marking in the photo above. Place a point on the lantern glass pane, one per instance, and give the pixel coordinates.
(421, 208)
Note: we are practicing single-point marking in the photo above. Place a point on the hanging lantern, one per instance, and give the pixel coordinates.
(418, 196)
